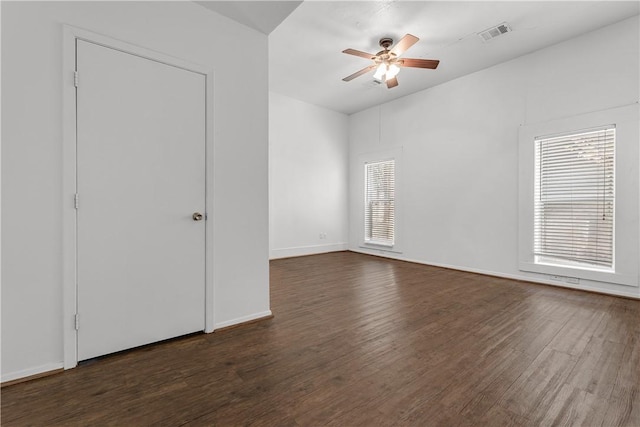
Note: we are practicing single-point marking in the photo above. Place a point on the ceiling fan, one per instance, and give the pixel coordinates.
(388, 62)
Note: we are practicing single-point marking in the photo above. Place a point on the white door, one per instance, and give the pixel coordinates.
(140, 179)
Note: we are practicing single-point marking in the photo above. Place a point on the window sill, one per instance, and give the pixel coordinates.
(380, 247)
(551, 262)
(581, 273)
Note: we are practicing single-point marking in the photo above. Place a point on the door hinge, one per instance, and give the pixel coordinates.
(75, 78)
(77, 321)
(75, 201)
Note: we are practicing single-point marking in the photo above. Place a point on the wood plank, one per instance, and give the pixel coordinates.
(360, 340)
(538, 386)
(624, 403)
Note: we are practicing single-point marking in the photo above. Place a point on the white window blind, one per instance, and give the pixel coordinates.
(574, 198)
(379, 202)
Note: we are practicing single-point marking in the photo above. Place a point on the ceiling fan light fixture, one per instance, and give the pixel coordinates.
(386, 71)
(392, 71)
(381, 71)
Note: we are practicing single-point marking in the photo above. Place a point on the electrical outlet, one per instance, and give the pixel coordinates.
(323, 235)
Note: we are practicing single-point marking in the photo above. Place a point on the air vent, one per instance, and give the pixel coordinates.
(493, 32)
(371, 83)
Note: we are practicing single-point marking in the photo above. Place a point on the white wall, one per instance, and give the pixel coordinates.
(308, 179)
(460, 148)
(32, 159)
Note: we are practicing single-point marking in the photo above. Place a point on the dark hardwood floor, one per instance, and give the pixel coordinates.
(360, 340)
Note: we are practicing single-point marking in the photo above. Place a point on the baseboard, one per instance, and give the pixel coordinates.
(307, 250)
(518, 277)
(54, 368)
(242, 324)
(31, 373)
(263, 315)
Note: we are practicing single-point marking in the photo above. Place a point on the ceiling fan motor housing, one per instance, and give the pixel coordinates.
(385, 42)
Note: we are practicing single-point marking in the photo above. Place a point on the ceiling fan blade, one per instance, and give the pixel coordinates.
(419, 63)
(359, 73)
(392, 82)
(359, 53)
(405, 43)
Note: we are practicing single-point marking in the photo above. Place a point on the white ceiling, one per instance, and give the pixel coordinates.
(263, 15)
(306, 40)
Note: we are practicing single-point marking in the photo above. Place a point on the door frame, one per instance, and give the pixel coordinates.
(69, 178)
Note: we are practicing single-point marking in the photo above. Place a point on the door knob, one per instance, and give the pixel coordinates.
(197, 216)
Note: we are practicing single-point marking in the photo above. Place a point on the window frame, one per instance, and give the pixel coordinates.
(626, 176)
(368, 201)
(394, 154)
(540, 205)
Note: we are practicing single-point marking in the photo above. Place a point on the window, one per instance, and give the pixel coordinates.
(578, 199)
(574, 199)
(379, 209)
